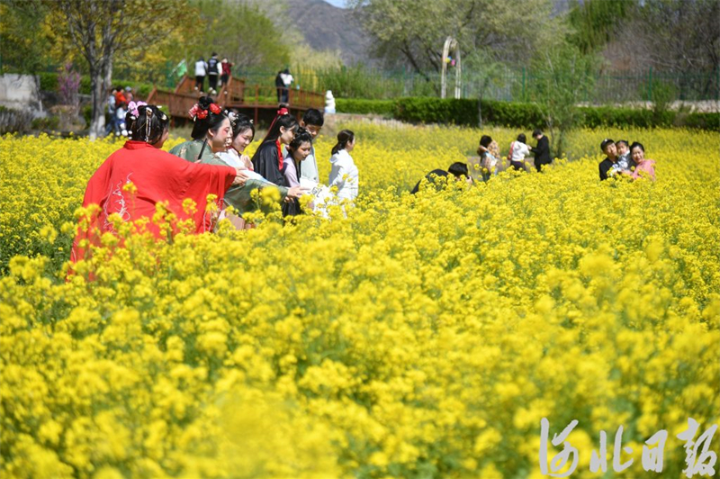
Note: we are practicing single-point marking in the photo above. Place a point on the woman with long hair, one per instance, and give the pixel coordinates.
(211, 130)
(269, 161)
(139, 175)
(297, 151)
(344, 174)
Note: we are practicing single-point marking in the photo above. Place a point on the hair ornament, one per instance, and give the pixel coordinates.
(148, 121)
(202, 114)
(133, 107)
(283, 111)
(194, 111)
(215, 109)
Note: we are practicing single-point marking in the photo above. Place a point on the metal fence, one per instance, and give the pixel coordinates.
(512, 85)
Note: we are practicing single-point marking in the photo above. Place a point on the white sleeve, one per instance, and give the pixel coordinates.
(338, 180)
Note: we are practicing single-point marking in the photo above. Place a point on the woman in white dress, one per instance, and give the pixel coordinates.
(344, 174)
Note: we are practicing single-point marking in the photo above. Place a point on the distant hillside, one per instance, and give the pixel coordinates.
(330, 28)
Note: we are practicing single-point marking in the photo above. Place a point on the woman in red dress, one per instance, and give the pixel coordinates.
(139, 175)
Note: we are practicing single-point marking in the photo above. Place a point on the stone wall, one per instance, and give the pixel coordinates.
(21, 92)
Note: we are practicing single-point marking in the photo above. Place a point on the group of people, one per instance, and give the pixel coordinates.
(285, 160)
(625, 160)
(488, 162)
(621, 159)
(212, 69)
(134, 179)
(117, 104)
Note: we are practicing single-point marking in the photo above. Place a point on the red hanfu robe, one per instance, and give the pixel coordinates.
(157, 176)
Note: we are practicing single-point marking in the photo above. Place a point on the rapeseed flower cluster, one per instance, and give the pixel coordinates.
(410, 336)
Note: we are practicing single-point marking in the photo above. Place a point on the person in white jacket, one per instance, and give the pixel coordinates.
(200, 72)
(518, 151)
(344, 174)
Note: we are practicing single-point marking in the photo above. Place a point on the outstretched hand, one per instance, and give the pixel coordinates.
(240, 177)
(297, 192)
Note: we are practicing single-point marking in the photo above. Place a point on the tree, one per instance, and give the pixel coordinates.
(413, 32)
(21, 51)
(565, 78)
(242, 32)
(99, 29)
(597, 22)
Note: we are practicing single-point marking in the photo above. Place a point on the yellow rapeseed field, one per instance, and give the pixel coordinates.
(418, 337)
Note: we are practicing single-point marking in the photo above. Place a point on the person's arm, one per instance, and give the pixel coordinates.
(525, 150)
(291, 173)
(338, 179)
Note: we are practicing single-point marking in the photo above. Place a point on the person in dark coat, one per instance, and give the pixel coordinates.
(542, 150)
(268, 160)
(609, 166)
(458, 170)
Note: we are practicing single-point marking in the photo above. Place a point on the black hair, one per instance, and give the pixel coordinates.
(286, 121)
(211, 122)
(148, 125)
(622, 141)
(637, 144)
(242, 123)
(344, 137)
(522, 138)
(537, 132)
(458, 169)
(313, 117)
(485, 141)
(302, 136)
(605, 143)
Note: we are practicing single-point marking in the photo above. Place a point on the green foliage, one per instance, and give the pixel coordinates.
(436, 110)
(566, 77)
(24, 47)
(87, 114)
(357, 82)
(49, 82)
(605, 116)
(596, 22)
(49, 123)
(521, 115)
(705, 121)
(377, 107)
(412, 33)
(241, 32)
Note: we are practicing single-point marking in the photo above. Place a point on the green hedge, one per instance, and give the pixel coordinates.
(49, 82)
(516, 115)
(520, 115)
(435, 110)
(365, 107)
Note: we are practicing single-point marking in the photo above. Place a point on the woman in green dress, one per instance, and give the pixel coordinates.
(211, 131)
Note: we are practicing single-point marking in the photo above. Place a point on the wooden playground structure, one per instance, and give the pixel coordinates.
(235, 95)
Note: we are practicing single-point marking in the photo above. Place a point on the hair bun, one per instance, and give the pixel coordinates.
(204, 102)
